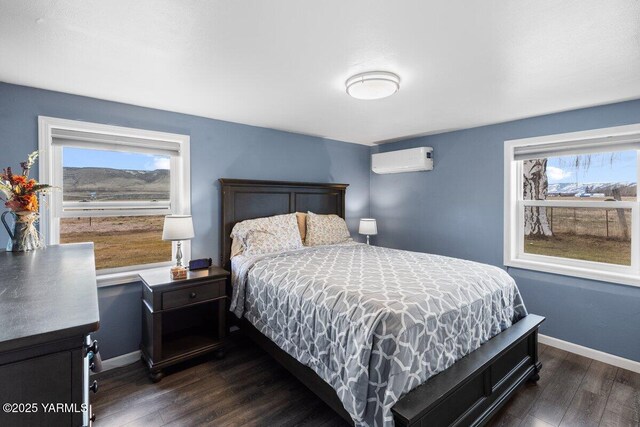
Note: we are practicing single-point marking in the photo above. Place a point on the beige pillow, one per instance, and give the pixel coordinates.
(236, 247)
(302, 224)
(326, 230)
(268, 235)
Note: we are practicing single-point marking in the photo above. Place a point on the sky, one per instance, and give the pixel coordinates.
(601, 169)
(82, 157)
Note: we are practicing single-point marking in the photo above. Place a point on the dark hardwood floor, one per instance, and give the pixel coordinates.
(248, 388)
(574, 391)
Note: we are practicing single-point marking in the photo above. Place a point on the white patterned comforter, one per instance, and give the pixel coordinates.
(373, 322)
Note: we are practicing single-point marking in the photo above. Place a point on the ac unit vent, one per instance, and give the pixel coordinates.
(410, 160)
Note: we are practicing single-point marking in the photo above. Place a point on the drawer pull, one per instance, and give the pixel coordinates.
(92, 366)
(94, 386)
(192, 295)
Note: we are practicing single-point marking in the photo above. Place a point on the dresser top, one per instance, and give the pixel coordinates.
(46, 295)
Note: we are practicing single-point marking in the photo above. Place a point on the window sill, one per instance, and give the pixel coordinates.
(581, 272)
(124, 277)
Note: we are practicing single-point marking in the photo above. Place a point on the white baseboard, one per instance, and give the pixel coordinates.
(620, 362)
(122, 360)
(601, 356)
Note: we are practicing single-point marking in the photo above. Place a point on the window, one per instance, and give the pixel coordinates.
(571, 204)
(114, 187)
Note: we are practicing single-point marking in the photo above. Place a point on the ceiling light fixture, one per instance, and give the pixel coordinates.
(373, 85)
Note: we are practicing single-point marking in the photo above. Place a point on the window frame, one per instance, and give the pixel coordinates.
(50, 172)
(514, 204)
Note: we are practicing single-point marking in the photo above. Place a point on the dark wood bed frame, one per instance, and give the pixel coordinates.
(466, 394)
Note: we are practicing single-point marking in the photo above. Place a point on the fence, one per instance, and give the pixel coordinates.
(600, 222)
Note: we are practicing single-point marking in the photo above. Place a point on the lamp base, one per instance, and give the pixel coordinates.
(178, 273)
(179, 254)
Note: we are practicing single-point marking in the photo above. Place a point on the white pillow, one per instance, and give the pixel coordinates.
(326, 230)
(268, 235)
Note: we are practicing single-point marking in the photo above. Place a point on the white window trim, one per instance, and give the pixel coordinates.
(514, 255)
(180, 186)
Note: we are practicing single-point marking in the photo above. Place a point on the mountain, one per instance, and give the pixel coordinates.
(627, 189)
(115, 184)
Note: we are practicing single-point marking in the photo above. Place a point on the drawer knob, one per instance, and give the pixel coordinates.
(92, 366)
(94, 386)
(193, 295)
(93, 348)
(93, 418)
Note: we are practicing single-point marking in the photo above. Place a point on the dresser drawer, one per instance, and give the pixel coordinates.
(192, 294)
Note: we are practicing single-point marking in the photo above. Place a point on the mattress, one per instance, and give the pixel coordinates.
(373, 322)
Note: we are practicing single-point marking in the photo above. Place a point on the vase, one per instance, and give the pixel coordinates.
(23, 234)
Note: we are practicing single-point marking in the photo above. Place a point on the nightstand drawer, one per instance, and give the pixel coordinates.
(192, 295)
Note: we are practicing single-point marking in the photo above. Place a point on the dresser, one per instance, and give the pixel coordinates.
(48, 308)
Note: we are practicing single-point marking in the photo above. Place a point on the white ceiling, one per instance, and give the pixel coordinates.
(282, 63)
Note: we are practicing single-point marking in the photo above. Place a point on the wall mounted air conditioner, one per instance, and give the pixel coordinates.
(411, 160)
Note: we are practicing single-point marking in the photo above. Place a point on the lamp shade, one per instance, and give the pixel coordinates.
(368, 226)
(178, 227)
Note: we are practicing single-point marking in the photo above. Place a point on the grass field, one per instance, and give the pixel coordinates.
(590, 234)
(582, 247)
(119, 241)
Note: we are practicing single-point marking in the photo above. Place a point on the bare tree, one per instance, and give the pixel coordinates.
(535, 182)
(621, 216)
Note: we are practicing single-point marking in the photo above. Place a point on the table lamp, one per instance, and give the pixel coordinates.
(178, 228)
(368, 227)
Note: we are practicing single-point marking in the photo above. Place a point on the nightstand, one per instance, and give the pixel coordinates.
(182, 319)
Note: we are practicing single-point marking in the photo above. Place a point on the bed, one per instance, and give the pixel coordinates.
(460, 372)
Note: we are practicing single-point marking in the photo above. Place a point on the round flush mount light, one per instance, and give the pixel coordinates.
(373, 85)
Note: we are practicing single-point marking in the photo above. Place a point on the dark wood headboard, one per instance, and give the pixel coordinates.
(247, 199)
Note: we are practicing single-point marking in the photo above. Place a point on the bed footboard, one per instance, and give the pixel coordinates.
(466, 394)
(475, 387)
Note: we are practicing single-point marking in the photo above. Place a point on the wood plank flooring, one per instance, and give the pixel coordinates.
(574, 391)
(248, 388)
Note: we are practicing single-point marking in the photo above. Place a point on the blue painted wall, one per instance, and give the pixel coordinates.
(457, 210)
(218, 149)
